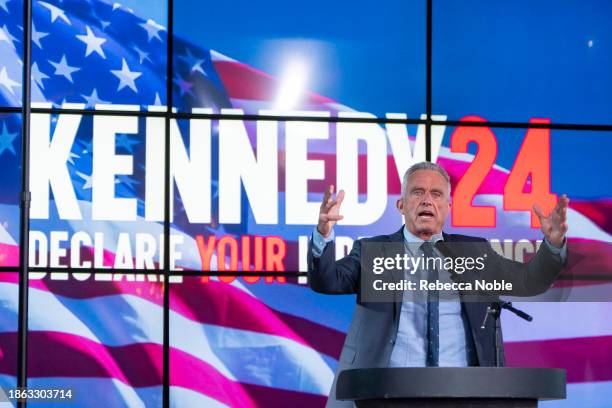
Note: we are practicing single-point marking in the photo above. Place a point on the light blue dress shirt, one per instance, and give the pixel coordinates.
(410, 349)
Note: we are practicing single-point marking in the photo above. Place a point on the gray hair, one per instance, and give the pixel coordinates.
(424, 166)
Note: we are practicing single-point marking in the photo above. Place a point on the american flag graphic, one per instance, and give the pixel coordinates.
(232, 344)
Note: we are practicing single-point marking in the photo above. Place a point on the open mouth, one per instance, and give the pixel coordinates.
(426, 214)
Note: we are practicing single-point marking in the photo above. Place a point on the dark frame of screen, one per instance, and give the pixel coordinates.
(24, 198)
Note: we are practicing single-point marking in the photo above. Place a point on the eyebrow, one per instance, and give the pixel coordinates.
(433, 190)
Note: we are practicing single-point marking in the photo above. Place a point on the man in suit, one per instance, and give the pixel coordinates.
(407, 333)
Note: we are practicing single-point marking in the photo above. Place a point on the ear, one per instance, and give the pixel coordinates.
(399, 204)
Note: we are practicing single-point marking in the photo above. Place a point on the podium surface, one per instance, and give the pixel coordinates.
(431, 387)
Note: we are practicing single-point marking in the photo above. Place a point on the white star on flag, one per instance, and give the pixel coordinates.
(219, 231)
(37, 36)
(126, 77)
(72, 156)
(87, 180)
(152, 29)
(126, 180)
(62, 68)
(6, 140)
(55, 12)
(94, 99)
(38, 76)
(124, 141)
(141, 54)
(184, 86)
(3, 5)
(8, 82)
(93, 43)
(5, 35)
(193, 62)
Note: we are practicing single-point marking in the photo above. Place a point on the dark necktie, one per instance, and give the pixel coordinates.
(433, 329)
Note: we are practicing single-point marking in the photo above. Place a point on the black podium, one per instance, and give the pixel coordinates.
(447, 387)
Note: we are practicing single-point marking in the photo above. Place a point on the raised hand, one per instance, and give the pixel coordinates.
(329, 213)
(554, 226)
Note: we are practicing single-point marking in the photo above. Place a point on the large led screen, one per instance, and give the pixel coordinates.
(245, 191)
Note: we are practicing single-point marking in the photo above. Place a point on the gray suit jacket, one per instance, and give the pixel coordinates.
(371, 335)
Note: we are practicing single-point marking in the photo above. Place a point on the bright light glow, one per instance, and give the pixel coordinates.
(292, 84)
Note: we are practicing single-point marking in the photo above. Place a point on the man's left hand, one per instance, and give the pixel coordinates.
(554, 226)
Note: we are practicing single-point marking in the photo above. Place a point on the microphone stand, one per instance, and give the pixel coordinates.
(494, 309)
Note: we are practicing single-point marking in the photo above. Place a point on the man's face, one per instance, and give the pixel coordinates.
(425, 204)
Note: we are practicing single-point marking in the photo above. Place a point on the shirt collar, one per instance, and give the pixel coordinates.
(410, 237)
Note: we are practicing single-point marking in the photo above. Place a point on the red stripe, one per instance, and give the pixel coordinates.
(55, 354)
(13, 277)
(586, 359)
(9, 255)
(323, 339)
(281, 398)
(210, 302)
(244, 82)
(221, 304)
(598, 211)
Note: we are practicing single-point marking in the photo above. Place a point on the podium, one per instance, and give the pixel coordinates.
(433, 387)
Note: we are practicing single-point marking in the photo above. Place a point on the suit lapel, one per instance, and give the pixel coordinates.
(475, 313)
(397, 237)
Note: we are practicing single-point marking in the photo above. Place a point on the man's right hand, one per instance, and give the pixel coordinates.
(329, 213)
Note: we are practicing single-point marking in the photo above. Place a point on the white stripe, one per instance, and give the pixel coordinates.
(584, 395)
(257, 358)
(9, 212)
(183, 397)
(117, 320)
(6, 382)
(217, 56)
(5, 237)
(301, 301)
(558, 320)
